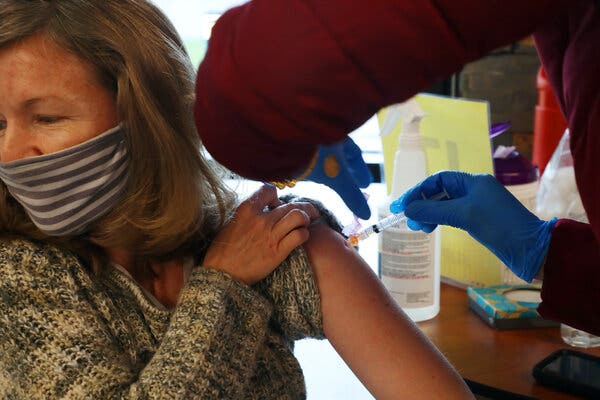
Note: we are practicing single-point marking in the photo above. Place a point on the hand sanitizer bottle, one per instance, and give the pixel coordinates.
(409, 261)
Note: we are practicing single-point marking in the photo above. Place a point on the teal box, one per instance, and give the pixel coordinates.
(508, 306)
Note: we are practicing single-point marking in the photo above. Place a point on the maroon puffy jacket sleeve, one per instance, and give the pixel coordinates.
(568, 46)
(281, 77)
(571, 289)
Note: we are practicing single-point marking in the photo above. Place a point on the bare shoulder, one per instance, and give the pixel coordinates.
(323, 237)
(326, 245)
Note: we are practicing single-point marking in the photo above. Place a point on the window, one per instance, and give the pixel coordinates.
(194, 20)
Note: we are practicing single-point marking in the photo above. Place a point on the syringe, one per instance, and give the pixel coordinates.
(388, 221)
(383, 224)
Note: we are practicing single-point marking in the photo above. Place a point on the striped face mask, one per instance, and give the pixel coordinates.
(64, 192)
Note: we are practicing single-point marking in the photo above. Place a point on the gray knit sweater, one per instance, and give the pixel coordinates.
(66, 334)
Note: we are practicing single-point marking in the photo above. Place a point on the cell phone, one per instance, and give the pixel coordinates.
(570, 371)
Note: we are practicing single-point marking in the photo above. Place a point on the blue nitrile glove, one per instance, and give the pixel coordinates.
(482, 206)
(341, 167)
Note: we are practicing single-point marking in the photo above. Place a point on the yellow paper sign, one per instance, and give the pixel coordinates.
(455, 136)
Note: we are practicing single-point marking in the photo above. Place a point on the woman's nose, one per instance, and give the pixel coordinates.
(16, 144)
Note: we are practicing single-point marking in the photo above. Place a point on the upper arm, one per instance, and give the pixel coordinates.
(341, 273)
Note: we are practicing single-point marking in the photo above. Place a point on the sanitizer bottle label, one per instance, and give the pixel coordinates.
(406, 266)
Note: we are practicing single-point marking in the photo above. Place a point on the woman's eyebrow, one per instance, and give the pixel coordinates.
(36, 100)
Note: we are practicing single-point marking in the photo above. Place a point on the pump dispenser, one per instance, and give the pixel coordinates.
(409, 261)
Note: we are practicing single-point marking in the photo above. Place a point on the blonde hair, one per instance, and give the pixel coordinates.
(176, 200)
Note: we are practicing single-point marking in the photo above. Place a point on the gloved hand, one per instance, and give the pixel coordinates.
(484, 208)
(341, 167)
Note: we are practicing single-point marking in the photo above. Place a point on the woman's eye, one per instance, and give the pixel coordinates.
(48, 119)
(2, 125)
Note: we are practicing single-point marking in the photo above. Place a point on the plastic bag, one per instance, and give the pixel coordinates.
(557, 195)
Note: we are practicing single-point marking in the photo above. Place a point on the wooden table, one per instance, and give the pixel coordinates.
(498, 358)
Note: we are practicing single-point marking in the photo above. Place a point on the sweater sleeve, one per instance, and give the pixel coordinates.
(292, 290)
(56, 342)
(281, 77)
(211, 346)
(571, 287)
